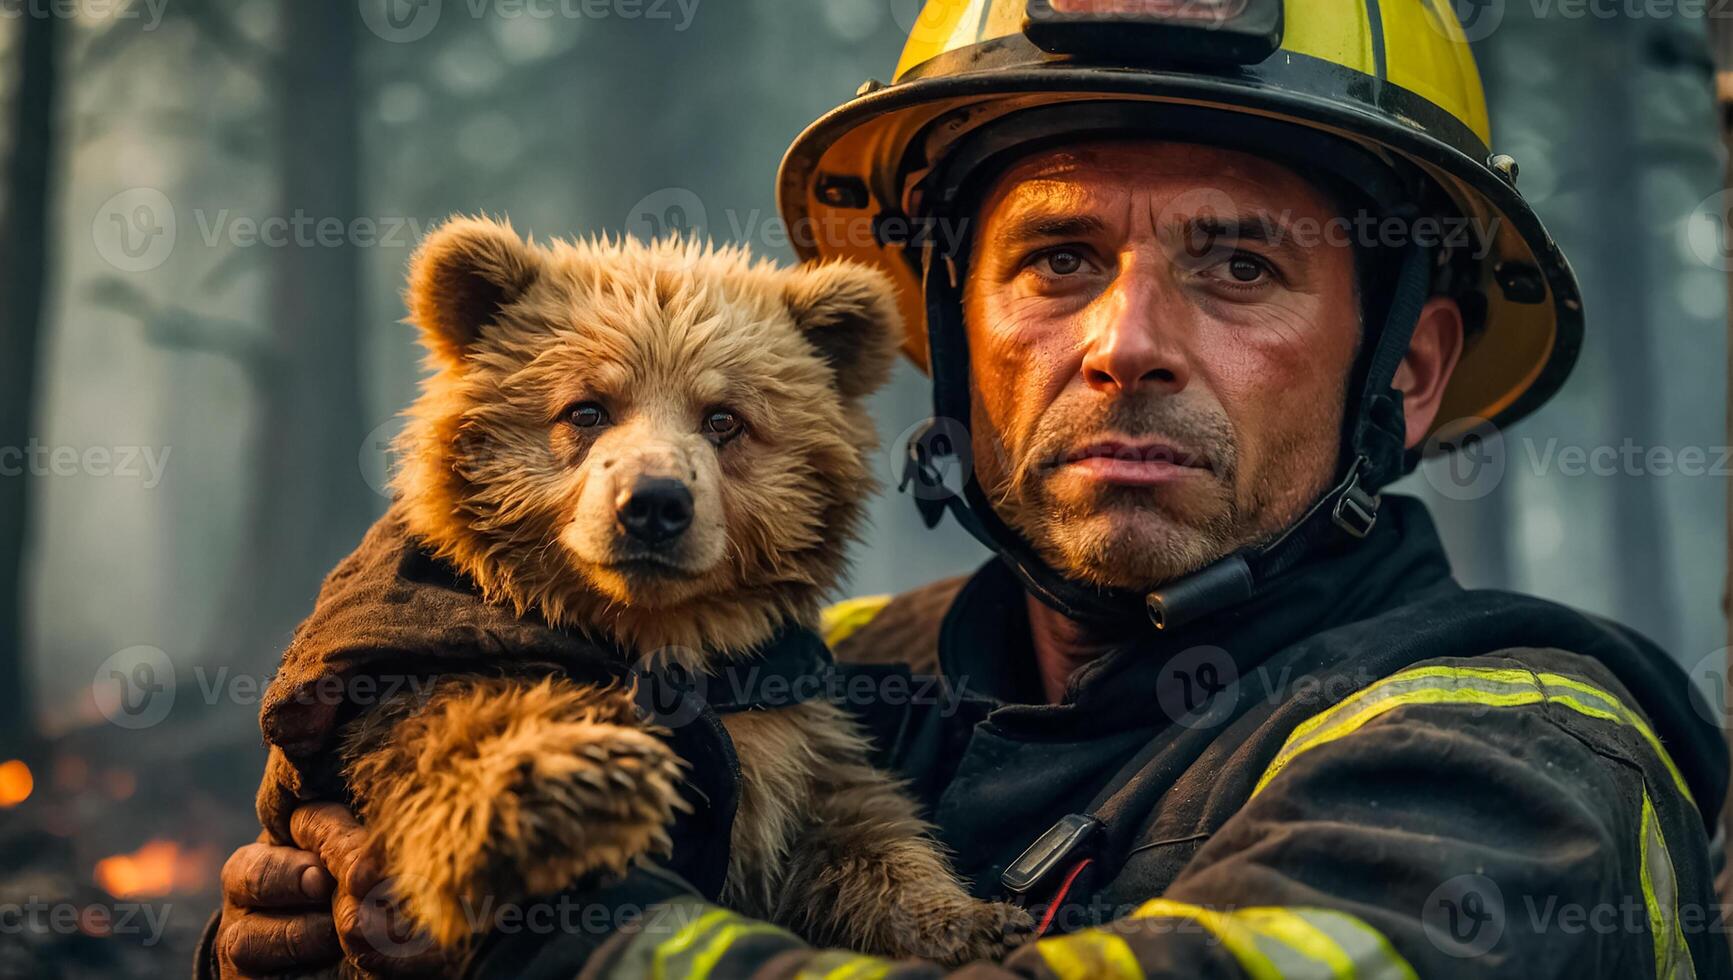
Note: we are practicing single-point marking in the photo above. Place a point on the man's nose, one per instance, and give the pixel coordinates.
(656, 510)
(1131, 346)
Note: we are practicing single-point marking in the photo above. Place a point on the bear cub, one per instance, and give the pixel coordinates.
(665, 444)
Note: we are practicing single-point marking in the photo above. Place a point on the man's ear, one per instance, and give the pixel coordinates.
(1431, 360)
(465, 271)
(849, 312)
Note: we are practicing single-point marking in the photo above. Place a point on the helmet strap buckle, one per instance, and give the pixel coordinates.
(921, 469)
(1356, 511)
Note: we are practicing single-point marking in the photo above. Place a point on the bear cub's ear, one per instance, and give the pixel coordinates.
(460, 277)
(849, 312)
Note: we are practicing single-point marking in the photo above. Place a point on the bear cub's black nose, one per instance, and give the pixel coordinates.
(658, 510)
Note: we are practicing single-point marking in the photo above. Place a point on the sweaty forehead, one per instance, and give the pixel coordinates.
(1099, 173)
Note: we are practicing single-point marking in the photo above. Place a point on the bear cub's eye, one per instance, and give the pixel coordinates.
(720, 425)
(587, 415)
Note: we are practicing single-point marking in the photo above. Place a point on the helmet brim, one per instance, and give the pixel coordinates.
(885, 139)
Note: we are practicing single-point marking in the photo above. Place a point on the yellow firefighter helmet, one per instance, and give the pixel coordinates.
(1394, 78)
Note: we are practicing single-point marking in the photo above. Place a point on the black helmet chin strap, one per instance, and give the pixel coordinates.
(1374, 454)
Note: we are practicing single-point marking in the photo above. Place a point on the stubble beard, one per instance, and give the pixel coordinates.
(1130, 537)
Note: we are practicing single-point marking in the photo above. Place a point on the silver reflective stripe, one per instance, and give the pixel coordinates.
(1661, 895)
(1291, 963)
(1369, 951)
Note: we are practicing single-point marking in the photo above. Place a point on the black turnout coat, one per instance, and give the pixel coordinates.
(1368, 771)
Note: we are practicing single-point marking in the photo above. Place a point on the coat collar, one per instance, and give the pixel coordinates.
(792, 667)
(986, 654)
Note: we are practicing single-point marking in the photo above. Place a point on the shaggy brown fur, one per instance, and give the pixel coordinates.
(494, 789)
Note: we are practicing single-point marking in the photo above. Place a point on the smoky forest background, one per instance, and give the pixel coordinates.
(199, 376)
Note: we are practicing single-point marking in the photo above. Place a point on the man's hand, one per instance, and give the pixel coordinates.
(289, 910)
(276, 913)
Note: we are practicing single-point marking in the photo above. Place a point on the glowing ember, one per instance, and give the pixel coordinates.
(160, 867)
(15, 783)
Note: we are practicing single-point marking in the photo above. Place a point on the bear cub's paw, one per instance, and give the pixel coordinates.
(956, 930)
(521, 790)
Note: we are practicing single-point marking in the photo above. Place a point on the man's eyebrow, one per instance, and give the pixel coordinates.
(1034, 227)
(1264, 227)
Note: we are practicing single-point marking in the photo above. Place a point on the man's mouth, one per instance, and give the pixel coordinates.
(1135, 463)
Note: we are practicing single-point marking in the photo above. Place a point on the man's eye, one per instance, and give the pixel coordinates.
(1245, 269)
(1242, 270)
(721, 425)
(1061, 262)
(587, 415)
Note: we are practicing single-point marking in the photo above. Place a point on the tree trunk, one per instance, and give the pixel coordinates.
(310, 504)
(24, 283)
(1640, 537)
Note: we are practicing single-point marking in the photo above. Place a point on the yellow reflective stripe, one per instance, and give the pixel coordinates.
(1293, 943)
(695, 949)
(1416, 673)
(1090, 955)
(683, 940)
(836, 964)
(1661, 897)
(717, 948)
(840, 621)
(1630, 718)
(1230, 930)
(1378, 707)
(1484, 686)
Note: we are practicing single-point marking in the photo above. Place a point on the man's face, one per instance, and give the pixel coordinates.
(1159, 364)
